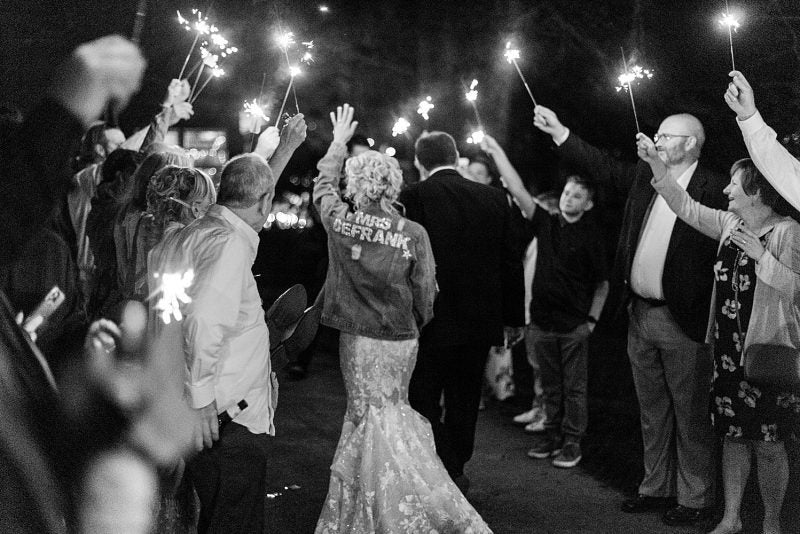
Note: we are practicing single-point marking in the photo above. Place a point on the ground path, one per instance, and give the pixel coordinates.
(514, 494)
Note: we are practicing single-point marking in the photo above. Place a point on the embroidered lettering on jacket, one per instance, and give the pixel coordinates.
(372, 229)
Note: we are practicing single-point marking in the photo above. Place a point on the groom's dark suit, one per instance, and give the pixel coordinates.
(479, 273)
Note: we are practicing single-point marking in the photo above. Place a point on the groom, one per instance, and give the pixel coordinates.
(479, 274)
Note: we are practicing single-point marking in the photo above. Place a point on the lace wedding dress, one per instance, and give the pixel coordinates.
(386, 476)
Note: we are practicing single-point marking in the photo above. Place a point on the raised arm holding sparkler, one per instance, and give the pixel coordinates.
(778, 166)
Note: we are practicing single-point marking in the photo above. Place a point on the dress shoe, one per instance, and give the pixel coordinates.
(645, 503)
(683, 515)
(528, 417)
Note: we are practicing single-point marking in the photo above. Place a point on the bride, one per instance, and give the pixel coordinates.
(379, 291)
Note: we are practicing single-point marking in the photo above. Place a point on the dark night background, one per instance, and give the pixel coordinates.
(383, 57)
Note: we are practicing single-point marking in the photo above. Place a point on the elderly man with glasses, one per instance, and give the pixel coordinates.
(662, 277)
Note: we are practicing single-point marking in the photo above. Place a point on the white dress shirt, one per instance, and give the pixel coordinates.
(651, 252)
(226, 340)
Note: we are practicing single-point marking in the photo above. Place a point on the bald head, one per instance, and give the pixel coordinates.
(680, 139)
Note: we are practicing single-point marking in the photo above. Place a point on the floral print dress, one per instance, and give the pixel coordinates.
(741, 409)
(386, 476)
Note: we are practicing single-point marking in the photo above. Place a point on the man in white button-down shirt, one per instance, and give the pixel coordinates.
(226, 340)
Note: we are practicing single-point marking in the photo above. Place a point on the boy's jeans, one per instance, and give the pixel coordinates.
(563, 362)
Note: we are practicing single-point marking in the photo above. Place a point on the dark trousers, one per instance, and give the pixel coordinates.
(457, 372)
(563, 363)
(230, 480)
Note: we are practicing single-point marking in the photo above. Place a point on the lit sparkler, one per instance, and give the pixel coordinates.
(216, 72)
(476, 137)
(172, 293)
(512, 55)
(400, 127)
(201, 27)
(472, 94)
(472, 98)
(732, 24)
(424, 107)
(285, 41)
(626, 80)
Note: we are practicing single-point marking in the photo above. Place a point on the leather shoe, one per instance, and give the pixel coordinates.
(645, 503)
(683, 515)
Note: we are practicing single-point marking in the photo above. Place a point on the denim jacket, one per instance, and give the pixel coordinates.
(381, 278)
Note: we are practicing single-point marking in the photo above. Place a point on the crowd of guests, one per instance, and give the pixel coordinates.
(133, 329)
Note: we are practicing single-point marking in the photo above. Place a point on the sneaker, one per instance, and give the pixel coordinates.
(528, 417)
(569, 456)
(545, 447)
(537, 425)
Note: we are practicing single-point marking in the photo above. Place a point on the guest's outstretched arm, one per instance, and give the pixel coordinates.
(510, 177)
(777, 165)
(292, 136)
(705, 220)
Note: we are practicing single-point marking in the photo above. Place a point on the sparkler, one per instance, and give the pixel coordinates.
(476, 137)
(285, 41)
(208, 60)
(626, 80)
(424, 107)
(400, 127)
(172, 294)
(200, 27)
(512, 55)
(216, 72)
(472, 98)
(732, 24)
(293, 71)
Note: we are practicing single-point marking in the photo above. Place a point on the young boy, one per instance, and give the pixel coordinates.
(570, 286)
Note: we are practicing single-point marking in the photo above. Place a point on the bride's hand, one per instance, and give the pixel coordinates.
(343, 124)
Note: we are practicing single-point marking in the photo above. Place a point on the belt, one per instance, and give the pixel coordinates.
(655, 303)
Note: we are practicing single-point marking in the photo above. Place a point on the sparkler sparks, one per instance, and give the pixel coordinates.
(732, 24)
(424, 107)
(285, 40)
(254, 109)
(476, 137)
(626, 80)
(472, 94)
(400, 127)
(635, 73)
(172, 294)
(294, 70)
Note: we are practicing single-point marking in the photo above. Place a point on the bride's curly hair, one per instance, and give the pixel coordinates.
(172, 191)
(373, 177)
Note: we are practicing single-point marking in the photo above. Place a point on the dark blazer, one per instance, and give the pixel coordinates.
(687, 279)
(478, 268)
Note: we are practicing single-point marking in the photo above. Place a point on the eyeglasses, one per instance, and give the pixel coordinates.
(667, 137)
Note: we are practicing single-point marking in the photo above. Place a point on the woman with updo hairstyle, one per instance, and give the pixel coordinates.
(127, 223)
(373, 178)
(379, 293)
(175, 197)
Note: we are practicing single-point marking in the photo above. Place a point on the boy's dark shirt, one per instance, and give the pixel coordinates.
(570, 262)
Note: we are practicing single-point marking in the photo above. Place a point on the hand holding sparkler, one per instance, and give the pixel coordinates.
(268, 141)
(343, 124)
(740, 97)
(292, 136)
(178, 91)
(547, 121)
(647, 152)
